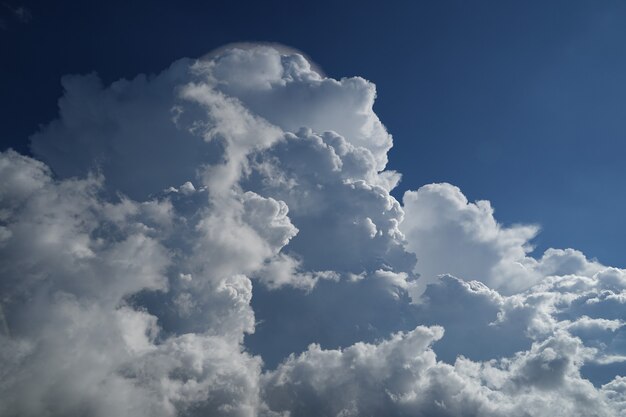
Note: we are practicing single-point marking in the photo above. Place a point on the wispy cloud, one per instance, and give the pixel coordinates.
(19, 14)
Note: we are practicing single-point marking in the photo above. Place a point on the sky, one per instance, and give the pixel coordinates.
(530, 96)
(332, 209)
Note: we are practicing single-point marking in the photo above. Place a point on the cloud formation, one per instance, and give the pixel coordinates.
(220, 239)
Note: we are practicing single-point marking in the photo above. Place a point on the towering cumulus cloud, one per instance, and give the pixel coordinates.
(219, 239)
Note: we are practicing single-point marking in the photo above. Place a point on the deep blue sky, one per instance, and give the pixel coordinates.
(522, 103)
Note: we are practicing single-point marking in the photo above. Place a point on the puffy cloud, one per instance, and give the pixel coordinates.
(286, 91)
(451, 235)
(78, 271)
(480, 323)
(147, 279)
(220, 239)
(361, 378)
(334, 200)
(401, 377)
(514, 298)
(202, 112)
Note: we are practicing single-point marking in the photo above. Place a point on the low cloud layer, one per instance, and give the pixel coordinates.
(220, 239)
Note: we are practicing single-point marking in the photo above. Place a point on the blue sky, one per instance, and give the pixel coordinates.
(192, 231)
(518, 103)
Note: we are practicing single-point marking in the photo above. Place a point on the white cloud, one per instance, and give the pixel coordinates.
(176, 223)
(75, 341)
(401, 376)
(453, 236)
(450, 235)
(286, 91)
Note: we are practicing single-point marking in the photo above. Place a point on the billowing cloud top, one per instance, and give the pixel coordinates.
(220, 239)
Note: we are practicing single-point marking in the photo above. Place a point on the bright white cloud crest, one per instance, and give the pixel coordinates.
(180, 239)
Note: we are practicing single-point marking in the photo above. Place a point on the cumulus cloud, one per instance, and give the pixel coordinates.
(452, 235)
(76, 341)
(401, 377)
(220, 239)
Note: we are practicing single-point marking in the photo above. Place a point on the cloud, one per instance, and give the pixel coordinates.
(20, 14)
(220, 239)
(451, 235)
(287, 92)
(515, 298)
(77, 341)
(401, 376)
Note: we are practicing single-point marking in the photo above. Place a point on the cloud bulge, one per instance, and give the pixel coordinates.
(220, 239)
